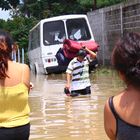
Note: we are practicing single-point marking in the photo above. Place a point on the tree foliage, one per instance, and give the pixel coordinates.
(9, 4)
(46, 8)
(19, 28)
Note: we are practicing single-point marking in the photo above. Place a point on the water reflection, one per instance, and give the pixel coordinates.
(55, 116)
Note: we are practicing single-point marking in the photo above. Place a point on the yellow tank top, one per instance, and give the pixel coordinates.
(14, 108)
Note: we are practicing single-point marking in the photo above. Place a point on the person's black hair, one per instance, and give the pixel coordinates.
(82, 53)
(126, 58)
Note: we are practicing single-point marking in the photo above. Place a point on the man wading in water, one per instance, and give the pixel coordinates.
(78, 73)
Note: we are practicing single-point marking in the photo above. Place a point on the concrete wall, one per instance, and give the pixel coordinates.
(108, 24)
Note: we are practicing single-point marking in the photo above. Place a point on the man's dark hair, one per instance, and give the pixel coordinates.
(82, 53)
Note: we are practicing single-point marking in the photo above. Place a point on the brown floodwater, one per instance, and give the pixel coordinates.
(54, 116)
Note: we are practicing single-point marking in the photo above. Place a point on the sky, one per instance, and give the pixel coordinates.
(4, 14)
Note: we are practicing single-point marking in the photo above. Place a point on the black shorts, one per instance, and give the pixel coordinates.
(85, 91)
(15, 133)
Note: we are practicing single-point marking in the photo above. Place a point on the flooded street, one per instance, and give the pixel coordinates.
(54, 116)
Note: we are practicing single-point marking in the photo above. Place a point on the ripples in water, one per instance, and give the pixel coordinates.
(55, 116)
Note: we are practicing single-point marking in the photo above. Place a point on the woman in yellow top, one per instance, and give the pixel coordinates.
(14, 89)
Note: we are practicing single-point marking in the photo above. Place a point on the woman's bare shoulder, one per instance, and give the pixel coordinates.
(24, 70)
(109, 121)
(22, 65)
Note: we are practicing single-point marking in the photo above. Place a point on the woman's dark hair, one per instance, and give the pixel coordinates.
(6, 44)
(126, 58)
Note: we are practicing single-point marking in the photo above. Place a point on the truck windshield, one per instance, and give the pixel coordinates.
(53, 32)
(78, 29)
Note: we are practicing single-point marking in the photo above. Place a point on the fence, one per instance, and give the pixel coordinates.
(108, 24)
(16, 56)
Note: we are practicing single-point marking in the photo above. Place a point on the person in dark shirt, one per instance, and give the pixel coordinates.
(121, 112)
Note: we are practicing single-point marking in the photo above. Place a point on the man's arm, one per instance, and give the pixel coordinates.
(92, 54)
(68, 80)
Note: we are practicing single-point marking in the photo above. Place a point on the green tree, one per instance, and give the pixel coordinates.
(46, 8)
(19, 28)
(3, 24)
(9, 4)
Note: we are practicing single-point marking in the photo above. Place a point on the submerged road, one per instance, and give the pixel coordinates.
(54, 116)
